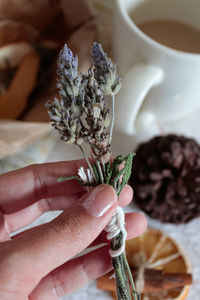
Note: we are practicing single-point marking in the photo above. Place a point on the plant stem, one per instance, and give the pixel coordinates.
(88, 162)
(124, 282)
(135, 293)
(123, 289)
(113, 118)
(100, 171)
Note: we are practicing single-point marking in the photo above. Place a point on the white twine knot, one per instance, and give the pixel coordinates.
(117, 224)
(85, 175)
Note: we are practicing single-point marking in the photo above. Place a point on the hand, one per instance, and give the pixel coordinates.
(35, 264)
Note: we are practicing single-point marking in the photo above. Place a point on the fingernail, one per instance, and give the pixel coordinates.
(99, 200)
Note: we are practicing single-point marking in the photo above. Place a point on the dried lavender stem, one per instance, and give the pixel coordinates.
(100, 171)
(121, 276)
(135, 294)
(104, 169)
(113, 118)
(89, 91)
(88, 162)
(120, 264)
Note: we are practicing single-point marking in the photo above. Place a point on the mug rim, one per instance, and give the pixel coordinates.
(146, 38)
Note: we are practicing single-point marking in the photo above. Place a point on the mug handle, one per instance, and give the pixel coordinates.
(136, 85)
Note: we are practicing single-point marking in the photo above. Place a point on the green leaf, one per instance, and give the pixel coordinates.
(67, 178)
(115, 165)
(108, 172)
(70, 178)
(127, 170)
(96, 173)
(107, 167)
(118, 175)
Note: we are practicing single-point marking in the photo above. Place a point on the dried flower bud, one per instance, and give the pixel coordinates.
(81, 113)
(67, 63)
(64, 121)
(70, 83)
(105, 71)
(97, 118)
(65, 113)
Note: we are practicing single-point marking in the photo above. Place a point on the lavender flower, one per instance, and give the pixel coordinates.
(66, 112)
(70, 83)
(67, 63)
(105, 71)
(97, 118)
(65, 121)
(81, 113)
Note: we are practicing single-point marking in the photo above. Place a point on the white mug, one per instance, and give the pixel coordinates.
(159, 83)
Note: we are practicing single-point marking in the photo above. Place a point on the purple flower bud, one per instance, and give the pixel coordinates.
(75, 62)
(97, 52)
(105, 71)
(66, 55)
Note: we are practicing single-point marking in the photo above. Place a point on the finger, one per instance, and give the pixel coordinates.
(73, 275)
(50, 245)
(78, 272)
(29, 214)
(4, 233)
(126, 195)
(136, 224)
(23, 187)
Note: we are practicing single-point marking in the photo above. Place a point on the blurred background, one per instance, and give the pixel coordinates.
(32, 32)
(31, 35)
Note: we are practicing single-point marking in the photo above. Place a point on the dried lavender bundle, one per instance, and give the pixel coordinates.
(81, 115)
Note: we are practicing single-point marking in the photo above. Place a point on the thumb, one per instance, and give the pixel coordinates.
(48, 246)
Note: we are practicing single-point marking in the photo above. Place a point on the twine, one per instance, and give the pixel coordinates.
(114, 227)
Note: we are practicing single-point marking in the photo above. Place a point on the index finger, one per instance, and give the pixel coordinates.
(23, 187)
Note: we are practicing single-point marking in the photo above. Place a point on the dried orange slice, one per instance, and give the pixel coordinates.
(158, 254)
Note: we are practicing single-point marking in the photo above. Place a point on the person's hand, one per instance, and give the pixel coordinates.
(35, 264)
